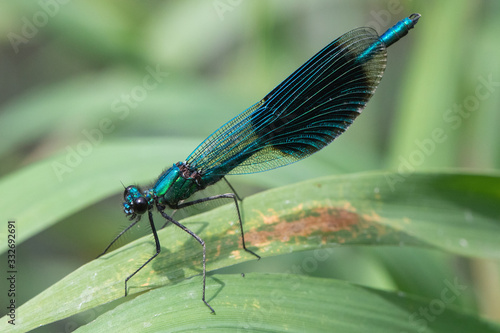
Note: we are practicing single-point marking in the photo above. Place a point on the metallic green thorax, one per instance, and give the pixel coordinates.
(178, 183)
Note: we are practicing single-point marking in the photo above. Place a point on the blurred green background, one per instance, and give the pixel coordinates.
(76, 81)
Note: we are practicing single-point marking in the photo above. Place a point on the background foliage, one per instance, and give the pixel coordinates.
(67, 68)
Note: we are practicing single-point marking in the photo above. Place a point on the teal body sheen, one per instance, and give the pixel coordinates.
(399, 30)
(391, 36)
(178, 183)
(299, 117)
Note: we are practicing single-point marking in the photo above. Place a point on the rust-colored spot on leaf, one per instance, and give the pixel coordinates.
(236, 254)
(272, 219)
(323, 222)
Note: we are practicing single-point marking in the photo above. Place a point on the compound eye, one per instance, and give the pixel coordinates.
(128, 190)
(140, 205)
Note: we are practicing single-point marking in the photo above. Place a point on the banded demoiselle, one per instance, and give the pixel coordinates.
(299, 117)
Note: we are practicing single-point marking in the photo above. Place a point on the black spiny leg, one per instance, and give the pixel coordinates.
(158, 249)
(195, 236)
(120, 234)
(233, 196)
(223, 196)
(232, 189)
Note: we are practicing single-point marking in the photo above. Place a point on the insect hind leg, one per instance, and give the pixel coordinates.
(233, 196)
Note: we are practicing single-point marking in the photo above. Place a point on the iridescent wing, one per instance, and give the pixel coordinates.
(303, 114)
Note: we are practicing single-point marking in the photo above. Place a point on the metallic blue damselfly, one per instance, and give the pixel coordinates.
(299, 117)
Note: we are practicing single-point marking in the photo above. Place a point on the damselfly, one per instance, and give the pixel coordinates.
(302, 115)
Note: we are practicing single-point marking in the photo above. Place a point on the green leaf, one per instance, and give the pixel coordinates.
(454, 212)
(283, 302)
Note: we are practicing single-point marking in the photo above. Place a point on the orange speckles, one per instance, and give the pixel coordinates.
(299, 208)
(148, 280)
(348, 206)
(236, 254)
(269, 219)
(373, 217)
(324, 222)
